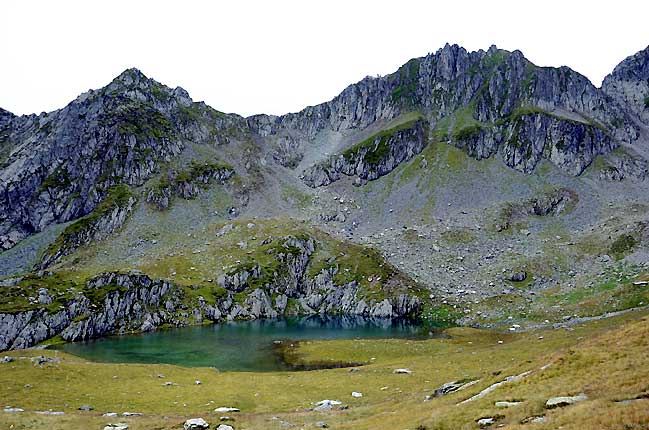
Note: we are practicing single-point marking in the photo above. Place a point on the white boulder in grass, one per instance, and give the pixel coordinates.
(196, 424)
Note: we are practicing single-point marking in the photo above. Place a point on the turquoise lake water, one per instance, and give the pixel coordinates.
(234, 346)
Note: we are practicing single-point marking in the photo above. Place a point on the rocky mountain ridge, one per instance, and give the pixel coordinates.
(136, 175)
(485, 102)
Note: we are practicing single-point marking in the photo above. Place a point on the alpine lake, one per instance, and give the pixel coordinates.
(255, 346)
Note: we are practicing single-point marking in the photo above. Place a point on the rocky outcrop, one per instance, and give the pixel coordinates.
(374, 157)
(551, 203)
(287, 151)
(624, 167)
(109, 216)
(125, 302)
(568, 144)
(110, 303)
(295, 293)
(187, 183)
(628, 84)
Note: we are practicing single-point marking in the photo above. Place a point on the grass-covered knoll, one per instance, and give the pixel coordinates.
(198, 169)
(196, 172)
(377, 278)
(194, 261)
(580, 361)
(24, 295)
(185, 181)
(622, 245)
(616, 289)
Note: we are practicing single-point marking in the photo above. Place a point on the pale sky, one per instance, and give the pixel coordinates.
(275, 57)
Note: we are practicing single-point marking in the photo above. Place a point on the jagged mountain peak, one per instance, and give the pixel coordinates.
(4, 112)
(628, 84)
(131, 74)
(634, 66)
(135, 85)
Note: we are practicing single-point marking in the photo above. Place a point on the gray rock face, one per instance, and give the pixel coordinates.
(372, 158)
(58, 166)
(628, 84)
(486, 102)
(570, 145)
(625, 166)
(96, 227)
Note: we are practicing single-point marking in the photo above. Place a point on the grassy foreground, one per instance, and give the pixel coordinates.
(580, 359)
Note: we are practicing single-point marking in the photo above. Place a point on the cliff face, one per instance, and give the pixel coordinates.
(372, 158)
(628, 84)
(120, 302)
(107, 217)
(488, 102)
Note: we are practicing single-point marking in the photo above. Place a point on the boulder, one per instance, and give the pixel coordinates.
(196, 424)
(559, 402)
(486, 422)
(505, 404)
(326, 405)
(116, 426)
(518, 276)
(226, 409)
(447, 388)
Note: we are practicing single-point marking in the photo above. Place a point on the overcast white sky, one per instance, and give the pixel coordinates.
(279, 56)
